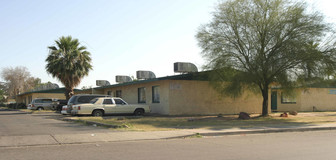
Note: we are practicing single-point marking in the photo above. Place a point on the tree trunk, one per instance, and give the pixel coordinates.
(265, 101)
(68, 93)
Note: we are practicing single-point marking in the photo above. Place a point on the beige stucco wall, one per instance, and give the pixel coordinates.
(187, 97)
(320, 99)
(26, 97)
(130, 94)
(198, 97)
(283, 107)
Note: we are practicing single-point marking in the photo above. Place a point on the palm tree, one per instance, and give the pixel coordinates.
(69, 63)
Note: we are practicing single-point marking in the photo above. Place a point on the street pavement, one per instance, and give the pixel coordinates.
(52, 131)
(273, 146)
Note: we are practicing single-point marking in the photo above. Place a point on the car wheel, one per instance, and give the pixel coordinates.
(139, 112)
(97, 113)
(40, 108)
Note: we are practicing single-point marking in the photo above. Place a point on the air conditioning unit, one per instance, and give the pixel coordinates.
(123, 79)
(184, 67)
(145, 75)
(102, 83)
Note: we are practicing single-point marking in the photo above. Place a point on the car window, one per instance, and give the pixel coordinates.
(85, 99)
(46, 100)
(107, 101)
(38, 101)
(93, 101)
(72, 100)
(62, 101)
(119, 101)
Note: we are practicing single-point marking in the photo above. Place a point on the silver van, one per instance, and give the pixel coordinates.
(41, 104)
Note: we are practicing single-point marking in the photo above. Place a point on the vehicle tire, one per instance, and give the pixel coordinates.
(97, 113)
(40, 108)
(139, 112)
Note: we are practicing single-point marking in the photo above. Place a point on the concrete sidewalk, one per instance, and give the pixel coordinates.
(60, 139)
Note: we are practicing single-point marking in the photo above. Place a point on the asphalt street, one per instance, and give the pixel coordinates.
(14, 123)
(55, 139)
(275, 146)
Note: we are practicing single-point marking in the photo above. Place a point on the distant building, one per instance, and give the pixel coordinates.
(27, 97)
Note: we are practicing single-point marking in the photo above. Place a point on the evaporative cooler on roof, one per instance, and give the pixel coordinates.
(102, 83)
(184, 67)
(123, 79)
(145, 75)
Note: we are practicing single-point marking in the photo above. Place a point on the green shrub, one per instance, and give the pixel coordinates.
(11, 105)
(17, 106)
(21, 106)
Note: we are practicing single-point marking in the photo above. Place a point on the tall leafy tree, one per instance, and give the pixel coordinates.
(69, 62)
(256, 43)
(18, 80)
(3, 91)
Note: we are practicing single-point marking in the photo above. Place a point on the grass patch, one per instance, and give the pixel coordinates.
(3, 107)
(197, 135)
(148, 123)
(36, 111)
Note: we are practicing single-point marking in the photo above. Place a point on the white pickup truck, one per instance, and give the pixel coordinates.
(109, 105)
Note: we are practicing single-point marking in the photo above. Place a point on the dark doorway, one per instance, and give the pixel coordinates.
(274, 100)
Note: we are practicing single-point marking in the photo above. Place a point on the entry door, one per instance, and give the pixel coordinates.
(274, 98)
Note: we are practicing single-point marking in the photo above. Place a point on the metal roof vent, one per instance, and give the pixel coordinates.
(145, 75)
(102, 83)
(123, 79)
(184, 67)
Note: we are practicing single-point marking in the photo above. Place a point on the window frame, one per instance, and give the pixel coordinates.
(141, 98)
(287, 99)
(155, 96)
(118, 93)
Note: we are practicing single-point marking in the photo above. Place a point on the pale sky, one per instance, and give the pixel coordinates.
(123, 36)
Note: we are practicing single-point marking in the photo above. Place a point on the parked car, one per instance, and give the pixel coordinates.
(109, 105)
(40, 104)
(82, 99)
(64, 110)
(58, 104)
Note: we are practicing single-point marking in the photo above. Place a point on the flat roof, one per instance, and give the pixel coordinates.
(199, 76)
(57, 90)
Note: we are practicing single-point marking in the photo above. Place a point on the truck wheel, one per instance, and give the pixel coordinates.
(40, 108)
(97, 113)
(139, 112)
